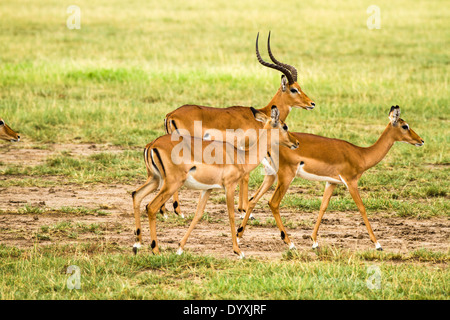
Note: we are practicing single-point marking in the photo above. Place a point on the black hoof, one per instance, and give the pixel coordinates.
(135, 250)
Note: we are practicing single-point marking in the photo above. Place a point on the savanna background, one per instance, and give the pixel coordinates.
(86, 101)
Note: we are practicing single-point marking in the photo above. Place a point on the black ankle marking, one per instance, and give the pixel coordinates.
(282, 235)
(175, 205)
(153, 244)
(133, 193)
(251, 199)
(138, 231)
(240, 229)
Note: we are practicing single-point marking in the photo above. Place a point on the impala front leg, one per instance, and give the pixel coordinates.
(329, 188)
(267, 183)
(353, 188)
(198, 214)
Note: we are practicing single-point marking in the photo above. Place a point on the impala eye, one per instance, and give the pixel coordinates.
(294, 90)
(405, 127)
(285, 127)
(2, 123)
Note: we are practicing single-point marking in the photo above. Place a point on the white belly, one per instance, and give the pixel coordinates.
(309, 176)
(269, 169)
(191, 183)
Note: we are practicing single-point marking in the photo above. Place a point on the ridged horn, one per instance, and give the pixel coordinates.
(280, 68)
(287, 66)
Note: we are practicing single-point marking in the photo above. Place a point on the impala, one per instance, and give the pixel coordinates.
(167, 172)
(6, 133)
(288, 96)
(334, 161)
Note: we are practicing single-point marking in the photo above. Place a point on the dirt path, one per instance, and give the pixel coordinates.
(211, 235)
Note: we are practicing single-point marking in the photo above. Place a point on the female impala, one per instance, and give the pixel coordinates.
(169, 173)
(334, 161)
(6, 133)
(288, 96)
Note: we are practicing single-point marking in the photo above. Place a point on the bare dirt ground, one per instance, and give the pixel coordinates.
(211, 235)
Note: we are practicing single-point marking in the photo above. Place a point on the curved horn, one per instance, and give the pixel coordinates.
(282, 69)
(287, 66)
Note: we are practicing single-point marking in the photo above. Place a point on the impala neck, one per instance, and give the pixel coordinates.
(261, 152)
(375, 153)
(277, 100)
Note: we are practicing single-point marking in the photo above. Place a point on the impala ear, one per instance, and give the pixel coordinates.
(275, 115)
(259, 116)
(284, 83)
(394, 115)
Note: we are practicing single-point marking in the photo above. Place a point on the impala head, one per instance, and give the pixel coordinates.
(6, 133)
(291, 93)
(401, 130)
(285, 138)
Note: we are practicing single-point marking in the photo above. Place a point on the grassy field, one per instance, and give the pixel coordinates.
(113, 80)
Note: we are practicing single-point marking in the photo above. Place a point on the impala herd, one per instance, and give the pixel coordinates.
(283, 154)
(207, 148)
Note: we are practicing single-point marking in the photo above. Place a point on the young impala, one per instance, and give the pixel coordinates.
(169, 173)
(213, 120)
(6, 133)
(334, 161)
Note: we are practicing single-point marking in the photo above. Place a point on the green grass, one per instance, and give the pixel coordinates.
(113, 81)
(109, 272)
(125, 167)
(73, 211)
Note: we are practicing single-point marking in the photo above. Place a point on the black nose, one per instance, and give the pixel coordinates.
(313, 104)
(423, 141)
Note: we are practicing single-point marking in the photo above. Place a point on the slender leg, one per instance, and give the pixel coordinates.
(353, 188)
(274, 204)
(176, 204)
(267, 183)
(163, 195)
(229, 190)
(329, 188)
(243, 195)
(163, 211)
(176, 207)
(149, 186)
(198, 214)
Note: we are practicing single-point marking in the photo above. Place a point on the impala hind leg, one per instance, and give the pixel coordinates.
(243, 195)
(163, 211)
(176, 204)
(198, 214)
(353, 188)
(167, 190)
(176, 207)
(149, 186)
(329, 188)
(265, 186)
(229, 191)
